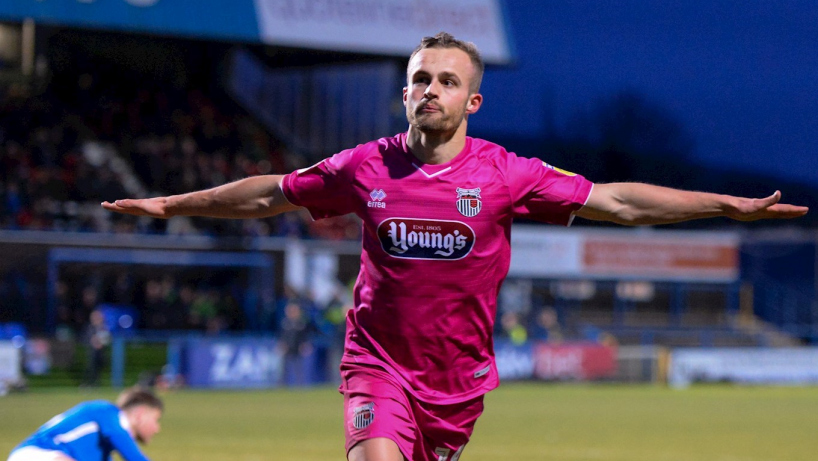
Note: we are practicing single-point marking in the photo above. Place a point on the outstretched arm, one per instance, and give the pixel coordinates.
(254, 197)
(643, 204)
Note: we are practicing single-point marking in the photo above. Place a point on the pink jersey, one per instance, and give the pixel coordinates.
(436, 248)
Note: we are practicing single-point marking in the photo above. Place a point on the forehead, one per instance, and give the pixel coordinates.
(151, 412)
(438, 60)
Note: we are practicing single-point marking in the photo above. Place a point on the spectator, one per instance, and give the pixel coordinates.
(88, 303)
(97, 337)
(156, 308)
(183, 305)
(206, 312)
(513, 330)
(295, 336)
(546, 326)
(335, 315)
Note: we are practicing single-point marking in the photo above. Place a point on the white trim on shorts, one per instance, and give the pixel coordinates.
(31, 453)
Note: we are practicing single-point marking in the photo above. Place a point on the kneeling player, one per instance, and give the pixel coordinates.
(91, 430)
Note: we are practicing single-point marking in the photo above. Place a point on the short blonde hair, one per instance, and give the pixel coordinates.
(447, 40)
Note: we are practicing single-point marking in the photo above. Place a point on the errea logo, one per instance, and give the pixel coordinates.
(377, 196)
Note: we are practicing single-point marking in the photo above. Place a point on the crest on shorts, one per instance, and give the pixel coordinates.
(468, 202)
(363, 416)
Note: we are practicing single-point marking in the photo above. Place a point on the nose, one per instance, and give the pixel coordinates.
(431, 91)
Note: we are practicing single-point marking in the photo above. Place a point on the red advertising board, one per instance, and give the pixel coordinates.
(577, 361)
(679, 258)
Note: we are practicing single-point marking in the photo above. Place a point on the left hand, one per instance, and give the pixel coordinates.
(765, 208)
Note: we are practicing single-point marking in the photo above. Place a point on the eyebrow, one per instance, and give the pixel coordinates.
(451, 75)
(444, 74)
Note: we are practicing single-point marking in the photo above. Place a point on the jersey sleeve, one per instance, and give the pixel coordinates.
(325, 189)
(541, 192)
(120, 439)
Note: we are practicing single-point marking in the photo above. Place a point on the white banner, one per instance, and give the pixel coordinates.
(756, 366)
(691, 256)
(392, 27)
(9, 362)
(540, 251)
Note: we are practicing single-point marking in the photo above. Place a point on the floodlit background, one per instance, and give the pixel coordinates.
(687, 342)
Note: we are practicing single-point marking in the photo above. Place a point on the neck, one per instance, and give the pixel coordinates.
(436, 147)
(131, 418)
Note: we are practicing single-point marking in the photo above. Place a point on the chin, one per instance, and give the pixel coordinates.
(431, 126)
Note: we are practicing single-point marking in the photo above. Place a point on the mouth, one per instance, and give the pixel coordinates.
(428, 108)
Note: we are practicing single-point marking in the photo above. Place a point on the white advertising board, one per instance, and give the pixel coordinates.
(751, 366)
(391, 27)
(549, 251)
(9, 362)
(540, 251)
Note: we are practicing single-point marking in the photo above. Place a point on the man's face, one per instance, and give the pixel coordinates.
(438, 96)
(146, 423)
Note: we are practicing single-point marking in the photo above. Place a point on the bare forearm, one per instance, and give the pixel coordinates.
(645, 204)
(637, 204)
(256, 197)
(247, 198)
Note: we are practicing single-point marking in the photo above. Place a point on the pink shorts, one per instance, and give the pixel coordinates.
(376, 405)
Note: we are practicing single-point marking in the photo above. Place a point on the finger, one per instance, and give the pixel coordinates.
(126, 203)
(790, 211)
(113, 206)
(119, 209)
(767, 202)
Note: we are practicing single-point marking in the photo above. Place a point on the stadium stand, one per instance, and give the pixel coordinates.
(139, 116)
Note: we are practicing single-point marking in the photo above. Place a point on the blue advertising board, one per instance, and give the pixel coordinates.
(232, 363)
(514, 361)
(217, 19)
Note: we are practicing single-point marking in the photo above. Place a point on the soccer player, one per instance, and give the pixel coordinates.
(92, 430)
(437, 208)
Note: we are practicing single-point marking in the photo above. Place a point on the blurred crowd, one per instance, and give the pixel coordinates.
(97, 136)
(93, 132)
(194, 302)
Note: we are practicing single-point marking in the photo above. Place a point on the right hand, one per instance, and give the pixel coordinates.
(153, 207)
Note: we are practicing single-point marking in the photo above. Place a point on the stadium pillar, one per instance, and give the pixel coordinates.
(118, 361)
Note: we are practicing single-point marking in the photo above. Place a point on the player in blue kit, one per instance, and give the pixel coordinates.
(92, 430)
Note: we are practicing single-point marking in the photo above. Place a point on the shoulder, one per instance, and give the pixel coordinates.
(98, 407)
(348, 161)
(495, 155)
(379, 148)
(511, 162)
(492, 152)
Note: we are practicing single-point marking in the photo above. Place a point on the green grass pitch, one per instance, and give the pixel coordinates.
(522, 421)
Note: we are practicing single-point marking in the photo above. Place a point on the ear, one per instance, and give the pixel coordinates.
(475, 101)
(405, 95)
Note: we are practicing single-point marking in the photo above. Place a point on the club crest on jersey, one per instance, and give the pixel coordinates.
(468, 202)
(363, 416)
(377, 196)
(425, 238)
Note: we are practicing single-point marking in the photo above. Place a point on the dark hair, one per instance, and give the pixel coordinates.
(136, 396)
(447, 40)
